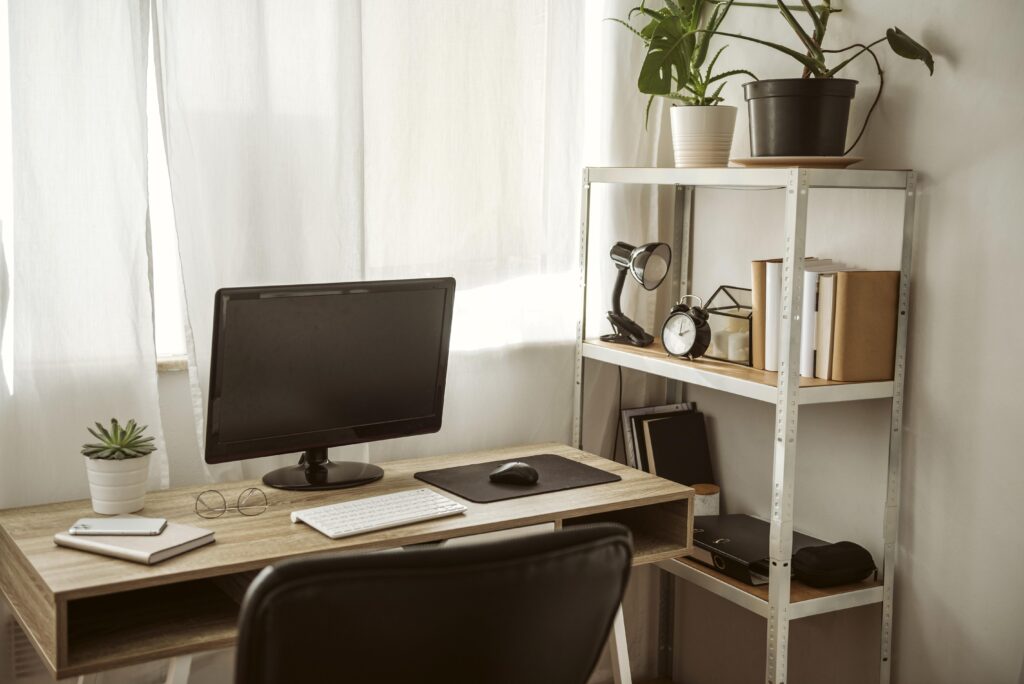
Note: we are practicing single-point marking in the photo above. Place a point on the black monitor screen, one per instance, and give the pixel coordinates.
(311, 366)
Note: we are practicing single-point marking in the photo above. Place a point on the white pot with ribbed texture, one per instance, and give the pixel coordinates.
(117, 486)
(702, 136)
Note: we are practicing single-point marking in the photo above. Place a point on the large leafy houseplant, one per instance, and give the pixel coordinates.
(677, 67)
(814, 58)
(678, 38)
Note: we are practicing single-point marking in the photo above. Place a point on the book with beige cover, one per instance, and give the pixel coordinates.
(864, 330)
(824, 321)
(758, 296)
(174, 540)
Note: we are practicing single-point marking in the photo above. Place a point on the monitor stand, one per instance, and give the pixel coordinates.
(316, 471)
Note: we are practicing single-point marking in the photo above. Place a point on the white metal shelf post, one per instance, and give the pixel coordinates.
(786, 411)
(892, 496)
(675, 392)
(581, 323)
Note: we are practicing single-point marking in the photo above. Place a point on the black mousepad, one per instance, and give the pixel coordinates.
(555, 473)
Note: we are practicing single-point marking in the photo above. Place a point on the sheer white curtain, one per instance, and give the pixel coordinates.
(78, 340)
(473, 131)
(616, 136)
(76, 330)
(262, 114)
(389, 140)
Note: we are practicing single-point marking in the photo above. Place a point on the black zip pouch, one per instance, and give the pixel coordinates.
(832, 564)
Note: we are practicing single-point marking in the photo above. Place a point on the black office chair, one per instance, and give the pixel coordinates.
(535, 610)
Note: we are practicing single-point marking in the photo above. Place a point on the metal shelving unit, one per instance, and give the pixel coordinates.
(785, 599)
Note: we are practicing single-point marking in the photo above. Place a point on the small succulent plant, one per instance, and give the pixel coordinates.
(119, 442)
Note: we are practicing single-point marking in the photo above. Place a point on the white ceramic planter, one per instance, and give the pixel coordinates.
(702, 136)
(117, 486)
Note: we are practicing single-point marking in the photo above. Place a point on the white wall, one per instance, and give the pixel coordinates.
(960, 575)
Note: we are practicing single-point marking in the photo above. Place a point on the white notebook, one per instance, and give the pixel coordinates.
(174, 540)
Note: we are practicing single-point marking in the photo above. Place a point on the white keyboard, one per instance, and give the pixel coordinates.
(378, 512)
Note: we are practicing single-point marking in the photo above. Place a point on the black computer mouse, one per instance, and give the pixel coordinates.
(515, 473)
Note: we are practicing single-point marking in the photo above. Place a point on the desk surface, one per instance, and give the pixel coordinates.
(49, 586)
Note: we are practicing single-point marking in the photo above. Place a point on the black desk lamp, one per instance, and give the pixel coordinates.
(648, 264)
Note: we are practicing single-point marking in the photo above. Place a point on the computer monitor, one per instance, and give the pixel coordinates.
(307, 367)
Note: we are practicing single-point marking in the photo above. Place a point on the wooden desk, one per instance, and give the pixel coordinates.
(86, 613)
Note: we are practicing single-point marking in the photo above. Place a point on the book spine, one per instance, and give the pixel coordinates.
(639, 444)
(649, 448)
(757, 284)
(846, 302)
(808, 324)
(772, 313)
(824, 324)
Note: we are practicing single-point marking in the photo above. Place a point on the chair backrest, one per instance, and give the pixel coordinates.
(535, 609)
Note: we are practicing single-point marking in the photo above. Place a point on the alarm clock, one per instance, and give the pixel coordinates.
(686, 332)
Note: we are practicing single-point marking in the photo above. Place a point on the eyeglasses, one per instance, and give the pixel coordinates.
(212, 504)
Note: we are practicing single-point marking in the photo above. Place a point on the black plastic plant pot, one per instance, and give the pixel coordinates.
(799, 117)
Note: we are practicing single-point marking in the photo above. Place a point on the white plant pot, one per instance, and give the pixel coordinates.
(702, 136)
(117, 486)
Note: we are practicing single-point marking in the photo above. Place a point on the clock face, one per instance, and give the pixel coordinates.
(679, 334)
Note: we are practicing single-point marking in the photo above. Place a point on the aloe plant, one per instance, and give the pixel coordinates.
(119, 442)
(678, 38)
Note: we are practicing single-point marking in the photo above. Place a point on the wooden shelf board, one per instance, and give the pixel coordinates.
(821, 600)
(798, 591)
(729, 377)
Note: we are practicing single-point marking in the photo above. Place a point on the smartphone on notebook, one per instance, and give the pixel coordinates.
(123, 526)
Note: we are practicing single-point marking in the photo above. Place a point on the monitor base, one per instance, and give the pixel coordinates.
(316, 471)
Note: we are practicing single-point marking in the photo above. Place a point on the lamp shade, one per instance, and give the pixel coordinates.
(648, 263)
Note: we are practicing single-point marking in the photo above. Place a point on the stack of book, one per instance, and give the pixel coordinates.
(847, 325)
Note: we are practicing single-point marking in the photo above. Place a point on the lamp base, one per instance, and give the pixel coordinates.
(627, 331)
